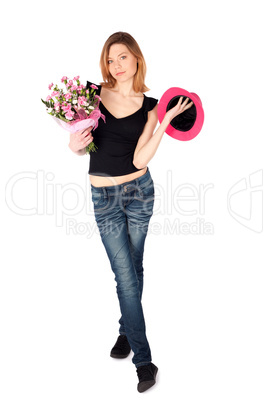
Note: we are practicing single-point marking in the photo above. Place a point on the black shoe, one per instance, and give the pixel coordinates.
(147, 375)
(121, 348)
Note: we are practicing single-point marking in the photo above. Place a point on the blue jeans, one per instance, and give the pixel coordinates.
(122, 213)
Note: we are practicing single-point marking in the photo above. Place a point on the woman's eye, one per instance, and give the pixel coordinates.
(121, 58)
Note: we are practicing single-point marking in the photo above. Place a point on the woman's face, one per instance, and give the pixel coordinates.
(122, 63)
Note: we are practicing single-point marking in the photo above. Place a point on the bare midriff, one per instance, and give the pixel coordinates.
(101, 181)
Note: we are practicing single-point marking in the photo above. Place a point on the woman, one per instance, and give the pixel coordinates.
(122, 187)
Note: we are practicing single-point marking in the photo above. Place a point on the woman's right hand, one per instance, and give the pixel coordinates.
(178, 109)
(80, 139)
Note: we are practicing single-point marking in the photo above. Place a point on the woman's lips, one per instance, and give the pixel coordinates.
(123, 72)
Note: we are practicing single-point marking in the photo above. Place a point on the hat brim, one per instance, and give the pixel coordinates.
(173, 94)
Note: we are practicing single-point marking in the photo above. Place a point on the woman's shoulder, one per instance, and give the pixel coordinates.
(149, 103)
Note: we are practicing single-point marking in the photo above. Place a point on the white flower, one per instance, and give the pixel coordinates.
(74, 101)
(49, 110)
(91, 107)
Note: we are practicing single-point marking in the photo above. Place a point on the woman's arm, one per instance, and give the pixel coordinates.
(149, 142)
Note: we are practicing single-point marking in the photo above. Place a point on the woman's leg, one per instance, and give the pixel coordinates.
(136, 245)
(138, 212)
(112, 223)
(136, 251)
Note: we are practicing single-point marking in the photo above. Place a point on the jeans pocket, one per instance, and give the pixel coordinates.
(100, 201)
(145, 198)
(147, 192)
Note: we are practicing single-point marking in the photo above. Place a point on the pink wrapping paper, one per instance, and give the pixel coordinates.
(82, 121)
(76, 126)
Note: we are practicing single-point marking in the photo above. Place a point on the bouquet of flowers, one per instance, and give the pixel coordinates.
(75, 109)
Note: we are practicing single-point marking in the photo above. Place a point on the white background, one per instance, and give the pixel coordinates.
(205, 297)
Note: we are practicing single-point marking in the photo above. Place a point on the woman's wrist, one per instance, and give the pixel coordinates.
(80, 152)
(165, 122)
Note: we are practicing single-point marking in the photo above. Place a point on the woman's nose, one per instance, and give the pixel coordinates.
(117, 64)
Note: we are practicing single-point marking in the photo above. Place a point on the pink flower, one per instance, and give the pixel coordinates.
(82, 101)
(93, 86)
(55, 93)
(73, 88)
(76, 78)
(67, 96)
(66, 108)
(64, 78)
(98, 97)
(48, 98)
(57, 106)
(70, 82)
(50, 86)
(69, 115)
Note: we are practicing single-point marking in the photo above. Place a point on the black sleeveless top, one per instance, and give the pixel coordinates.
(116, 140)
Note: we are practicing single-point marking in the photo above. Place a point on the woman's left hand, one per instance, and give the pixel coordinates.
(178, 109)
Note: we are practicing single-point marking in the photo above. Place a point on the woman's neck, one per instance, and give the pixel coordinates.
(125, 88)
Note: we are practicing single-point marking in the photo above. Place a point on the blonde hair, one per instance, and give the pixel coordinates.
(127, 40)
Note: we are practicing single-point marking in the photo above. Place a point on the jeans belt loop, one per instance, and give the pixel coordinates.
(136, 187)
(104, 192)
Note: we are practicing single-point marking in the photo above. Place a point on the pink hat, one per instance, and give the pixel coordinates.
(186, 125)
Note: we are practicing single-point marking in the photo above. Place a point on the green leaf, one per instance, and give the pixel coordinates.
(62, 118)
(45, 102)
